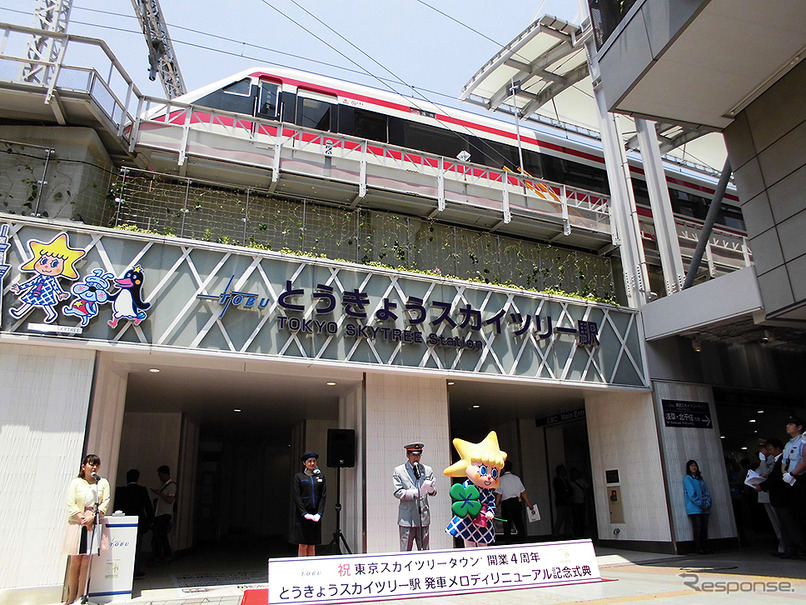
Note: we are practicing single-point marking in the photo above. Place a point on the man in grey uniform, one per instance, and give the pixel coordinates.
(413, 482)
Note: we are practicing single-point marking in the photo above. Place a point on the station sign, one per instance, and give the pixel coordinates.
(688, 414)
(142, 290)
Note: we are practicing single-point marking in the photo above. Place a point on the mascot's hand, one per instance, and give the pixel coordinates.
(466, 500)
(488, 514)
(428, 487)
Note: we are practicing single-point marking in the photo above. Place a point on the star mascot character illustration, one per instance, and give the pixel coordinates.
(474, 500)
(49, 261)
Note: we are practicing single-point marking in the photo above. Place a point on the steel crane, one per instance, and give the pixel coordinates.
(53, 15)
(161, 57)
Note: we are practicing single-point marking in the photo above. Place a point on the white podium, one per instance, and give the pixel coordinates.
(112, 572)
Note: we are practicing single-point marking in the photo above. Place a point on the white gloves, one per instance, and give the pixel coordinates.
(488, 514)
(428, 487)
(790, 479)
(315, 518)
(761, 456)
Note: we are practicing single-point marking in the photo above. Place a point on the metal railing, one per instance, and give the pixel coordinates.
(498, 189)
(106, 83)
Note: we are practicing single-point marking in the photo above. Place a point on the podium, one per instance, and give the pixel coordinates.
(112, 572)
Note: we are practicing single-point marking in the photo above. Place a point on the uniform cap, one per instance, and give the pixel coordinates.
(414, 448)
(307, 455)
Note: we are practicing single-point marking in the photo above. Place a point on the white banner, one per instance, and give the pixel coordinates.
(430, 573)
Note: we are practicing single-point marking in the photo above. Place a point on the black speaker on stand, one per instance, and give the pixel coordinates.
(340, 454)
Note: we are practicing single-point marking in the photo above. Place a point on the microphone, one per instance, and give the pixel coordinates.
(95, 476)
(416, 466)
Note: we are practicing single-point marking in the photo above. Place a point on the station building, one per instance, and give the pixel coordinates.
(269, 298)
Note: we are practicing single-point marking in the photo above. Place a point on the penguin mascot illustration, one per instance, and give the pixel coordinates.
(127, 303)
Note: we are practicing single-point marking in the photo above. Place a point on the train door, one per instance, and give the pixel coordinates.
(267, 100)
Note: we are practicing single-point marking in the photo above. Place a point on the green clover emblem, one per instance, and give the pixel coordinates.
(466, 500)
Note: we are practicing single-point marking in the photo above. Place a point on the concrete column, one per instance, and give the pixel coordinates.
(106, 417)
(44, 403)
(665, 226)
(351, 416)
(400, 409)
(680, 444)
(623, 436)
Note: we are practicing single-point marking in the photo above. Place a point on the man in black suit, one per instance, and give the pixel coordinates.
(133, 500)
(784, 503)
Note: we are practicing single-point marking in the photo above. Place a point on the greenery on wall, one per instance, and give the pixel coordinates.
(257, 220)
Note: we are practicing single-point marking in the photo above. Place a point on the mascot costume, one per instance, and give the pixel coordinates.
(474, 500)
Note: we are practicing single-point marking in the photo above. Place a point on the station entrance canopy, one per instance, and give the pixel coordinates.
(543, 75)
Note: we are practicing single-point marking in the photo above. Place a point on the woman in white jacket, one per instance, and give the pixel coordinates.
(82, 538)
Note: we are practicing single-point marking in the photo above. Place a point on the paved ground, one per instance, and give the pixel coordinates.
(739, 576)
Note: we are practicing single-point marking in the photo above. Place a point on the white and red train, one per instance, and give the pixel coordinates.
(330, 105)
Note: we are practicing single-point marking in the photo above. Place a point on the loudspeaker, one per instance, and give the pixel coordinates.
(341, 448)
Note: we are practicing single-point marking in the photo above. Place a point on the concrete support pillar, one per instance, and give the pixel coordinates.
(680, 444)
(400, 409)
(623, 436)
(622, 199)
(44, 402)
(663, 217)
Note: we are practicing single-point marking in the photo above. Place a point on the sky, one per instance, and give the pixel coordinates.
(427, 49)
(433, 45)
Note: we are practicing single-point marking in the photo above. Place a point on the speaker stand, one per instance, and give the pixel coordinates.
(338, 537)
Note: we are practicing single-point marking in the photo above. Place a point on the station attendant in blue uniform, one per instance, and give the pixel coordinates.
(309, 504)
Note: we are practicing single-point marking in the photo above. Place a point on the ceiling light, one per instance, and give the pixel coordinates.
(475, 407)
(722, 436)
(155, 370)
(450, 383)
(696, 344)
(331, 384)
(743, 447)
(237, 410)
(752, 420)
(760, 412)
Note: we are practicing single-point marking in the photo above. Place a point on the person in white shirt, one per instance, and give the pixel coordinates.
(508, 497)
(163, 514)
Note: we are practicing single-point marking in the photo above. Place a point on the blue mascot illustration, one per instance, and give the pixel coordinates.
(89, 294)
(128, 303)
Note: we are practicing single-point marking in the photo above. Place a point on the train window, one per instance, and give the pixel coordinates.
(640, 191)
(267, 103)
(241, 87)
(370, 125)
(434, 140)
(313, 114)
(574, 174)
(731, 217)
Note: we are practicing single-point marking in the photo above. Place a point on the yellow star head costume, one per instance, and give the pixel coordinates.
(58, 247)
(486, 452)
